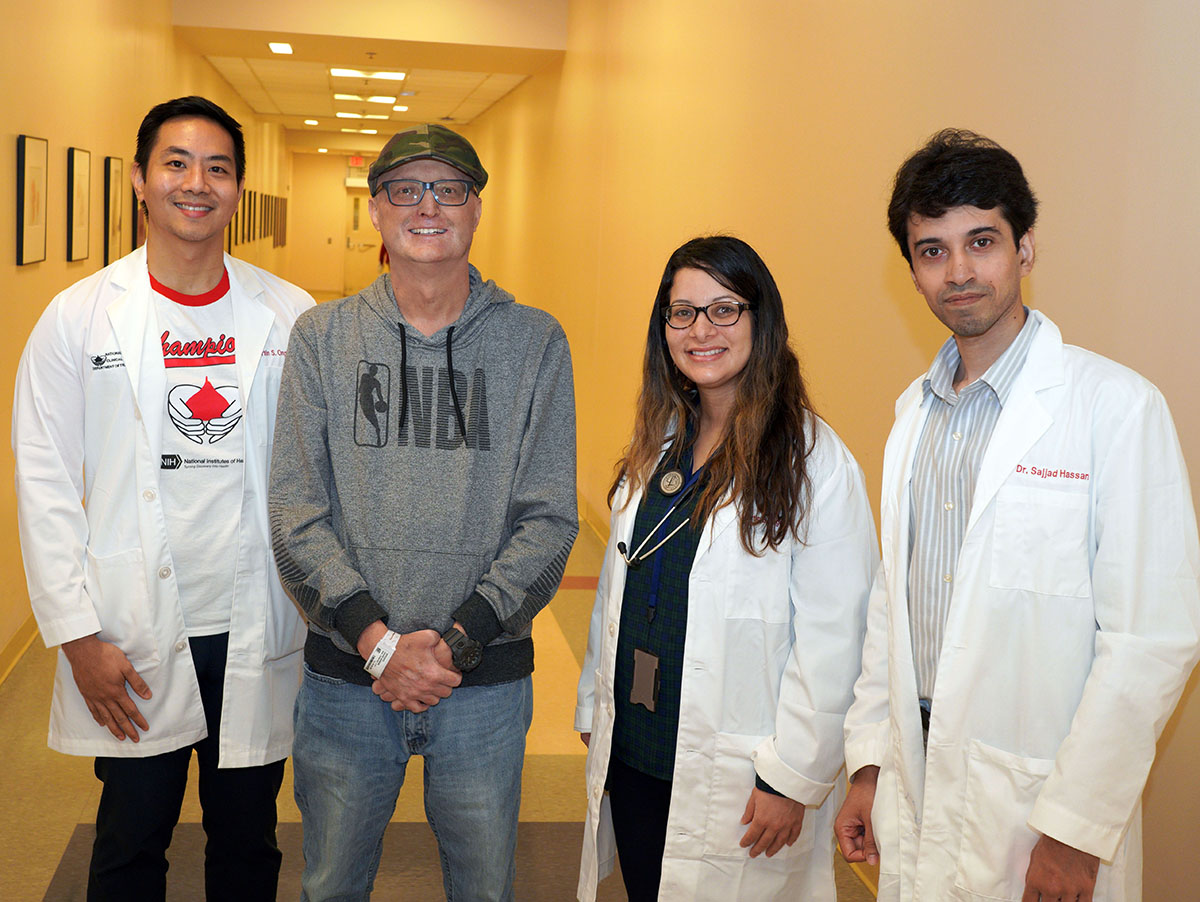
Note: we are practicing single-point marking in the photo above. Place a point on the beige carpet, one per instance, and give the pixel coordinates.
(547, 866)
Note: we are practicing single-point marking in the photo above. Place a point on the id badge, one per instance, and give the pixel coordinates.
(645, 680)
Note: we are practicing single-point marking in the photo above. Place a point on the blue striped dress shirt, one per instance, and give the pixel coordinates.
(958, 427)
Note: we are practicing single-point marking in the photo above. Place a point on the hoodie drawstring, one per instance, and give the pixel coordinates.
(458, 413)
(403, 375)
(462, 423)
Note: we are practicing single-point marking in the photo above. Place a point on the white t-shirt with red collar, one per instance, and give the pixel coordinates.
(203, 450)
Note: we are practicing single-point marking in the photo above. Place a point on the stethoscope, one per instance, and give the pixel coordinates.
(671, 483)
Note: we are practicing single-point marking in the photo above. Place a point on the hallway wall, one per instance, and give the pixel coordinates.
(784, 124)
(84, 75)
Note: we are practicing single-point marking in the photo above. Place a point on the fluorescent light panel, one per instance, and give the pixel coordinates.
(311, 122)
(279, 47)
(359, 99)
(359, 73)
(400, 109)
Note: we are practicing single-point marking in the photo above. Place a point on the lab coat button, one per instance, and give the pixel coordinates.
(612, 629)
(148, 494)
(947, 578)
(957, 436)
(181, 645)
(596, 792)
(164, 572)
(949, 505)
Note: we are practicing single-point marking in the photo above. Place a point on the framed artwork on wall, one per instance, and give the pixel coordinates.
(114, 209)
(79, 202)
(32, 157)
(137, 231)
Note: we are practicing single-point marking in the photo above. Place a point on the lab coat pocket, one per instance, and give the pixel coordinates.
(732, 781)
(1040, 542)
(757, 588)
(996, 841)
(116, 584)
(285, 630)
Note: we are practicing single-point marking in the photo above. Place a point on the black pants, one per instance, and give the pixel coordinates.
(640, 804)
(141, 799)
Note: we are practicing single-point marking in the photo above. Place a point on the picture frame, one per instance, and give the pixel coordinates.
(137, 231)
(114, 208)
(79, 202)
(33, 156)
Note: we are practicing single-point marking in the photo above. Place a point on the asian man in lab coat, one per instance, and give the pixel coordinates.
(1036, 614)
(142, 429)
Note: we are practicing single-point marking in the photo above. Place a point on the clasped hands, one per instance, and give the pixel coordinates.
(420, 673)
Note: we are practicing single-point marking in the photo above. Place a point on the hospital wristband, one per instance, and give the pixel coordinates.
(382, 653)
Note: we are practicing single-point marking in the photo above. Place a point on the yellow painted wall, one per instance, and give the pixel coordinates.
(84, 75)
(317, 229)
(784, 123)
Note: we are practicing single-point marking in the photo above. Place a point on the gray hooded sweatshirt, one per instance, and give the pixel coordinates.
(400, 495)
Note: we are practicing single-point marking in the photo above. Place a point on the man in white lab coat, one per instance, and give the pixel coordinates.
(142, 429)
(1037, 612)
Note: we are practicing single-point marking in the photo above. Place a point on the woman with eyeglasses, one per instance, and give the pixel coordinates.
(729, 618)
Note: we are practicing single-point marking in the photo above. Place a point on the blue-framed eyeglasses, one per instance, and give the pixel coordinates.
(409, 192)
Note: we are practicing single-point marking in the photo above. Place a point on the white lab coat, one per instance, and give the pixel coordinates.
(773, 648)
(87, 436)
(1072, 629)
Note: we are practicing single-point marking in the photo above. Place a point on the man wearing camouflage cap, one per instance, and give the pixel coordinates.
(422, 510)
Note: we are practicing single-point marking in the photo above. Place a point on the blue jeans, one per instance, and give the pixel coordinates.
(349, 758)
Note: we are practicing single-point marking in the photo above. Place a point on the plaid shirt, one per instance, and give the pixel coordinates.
(643, 740)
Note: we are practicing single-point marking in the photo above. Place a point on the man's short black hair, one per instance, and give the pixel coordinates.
(189, 106)
(958, 168)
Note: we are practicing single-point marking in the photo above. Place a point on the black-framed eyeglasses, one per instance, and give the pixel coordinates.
(719, 313)
(409, 192)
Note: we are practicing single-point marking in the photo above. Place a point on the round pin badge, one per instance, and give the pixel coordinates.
(671, 482)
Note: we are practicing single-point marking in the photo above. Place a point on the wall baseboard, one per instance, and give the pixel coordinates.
(593, 519)
(11, 653)
(867, 876)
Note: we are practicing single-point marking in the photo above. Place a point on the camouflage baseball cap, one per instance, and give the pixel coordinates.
(428, 142)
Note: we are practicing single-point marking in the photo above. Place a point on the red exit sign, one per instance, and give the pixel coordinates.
(356, 161)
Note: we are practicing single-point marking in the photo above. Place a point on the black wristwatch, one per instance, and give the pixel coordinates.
(466, 653)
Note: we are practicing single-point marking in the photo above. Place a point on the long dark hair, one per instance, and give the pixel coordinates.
(760, 462)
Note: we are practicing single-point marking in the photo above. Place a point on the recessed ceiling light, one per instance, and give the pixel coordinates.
(349, 115)
(381, 98)
(322, 150)
(311, 122)
(347, 97)
(368, 131)
(279, 47)
(400, 109)
(359, 73)
(375, 116)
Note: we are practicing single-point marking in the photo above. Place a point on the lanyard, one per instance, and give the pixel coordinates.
(638, 555)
